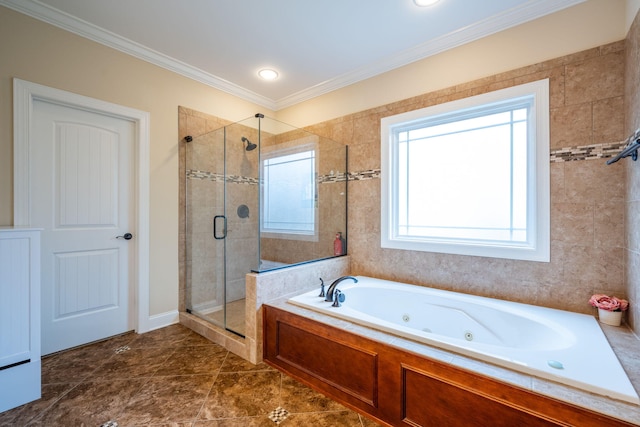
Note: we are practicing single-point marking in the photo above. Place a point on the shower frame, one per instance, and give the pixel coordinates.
(222, 236)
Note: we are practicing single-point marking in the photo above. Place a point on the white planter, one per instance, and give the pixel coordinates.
(612, 318)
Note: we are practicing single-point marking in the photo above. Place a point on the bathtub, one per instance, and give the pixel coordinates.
(553, 344)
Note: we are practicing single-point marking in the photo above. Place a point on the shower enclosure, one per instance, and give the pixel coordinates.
(260, 195)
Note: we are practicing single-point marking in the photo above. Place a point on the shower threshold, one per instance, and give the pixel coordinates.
(235, 321)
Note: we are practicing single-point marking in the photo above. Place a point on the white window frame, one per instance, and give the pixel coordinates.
(278, 151)
(537, 245)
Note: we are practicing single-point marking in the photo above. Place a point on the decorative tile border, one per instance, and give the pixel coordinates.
(204, 175)
(586, 152)
(322, 179)
(218, 177)
(331, 178)
(558, 155)
(364, 175)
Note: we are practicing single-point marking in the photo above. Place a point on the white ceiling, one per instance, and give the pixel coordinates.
(316, 46)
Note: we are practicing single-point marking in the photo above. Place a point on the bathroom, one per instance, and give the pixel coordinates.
(588, 198)
(594, 102)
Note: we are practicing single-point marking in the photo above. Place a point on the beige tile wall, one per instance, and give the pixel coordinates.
(587, 197)
(632, 211)
(591, 251)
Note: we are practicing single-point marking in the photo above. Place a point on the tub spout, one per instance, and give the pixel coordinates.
(329, 296)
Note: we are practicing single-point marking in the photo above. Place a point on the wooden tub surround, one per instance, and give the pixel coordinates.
(398, 387)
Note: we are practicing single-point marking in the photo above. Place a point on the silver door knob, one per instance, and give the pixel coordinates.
(126, 236)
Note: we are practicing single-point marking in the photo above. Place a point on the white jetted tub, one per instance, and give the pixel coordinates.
(553, 344)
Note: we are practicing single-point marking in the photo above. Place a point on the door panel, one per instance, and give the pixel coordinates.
(82, 197)
(85, 282)
(87, 188)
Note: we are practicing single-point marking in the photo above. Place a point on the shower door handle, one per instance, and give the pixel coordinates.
(215, 227)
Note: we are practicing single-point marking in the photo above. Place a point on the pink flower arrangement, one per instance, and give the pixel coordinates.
(608, 303)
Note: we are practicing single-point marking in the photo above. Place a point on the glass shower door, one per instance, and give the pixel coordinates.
(222, 238)
(205, 272)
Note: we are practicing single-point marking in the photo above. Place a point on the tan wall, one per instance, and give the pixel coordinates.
(587, 25)
(39, 53)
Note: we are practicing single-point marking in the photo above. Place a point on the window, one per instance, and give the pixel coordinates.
(289, 193)
(470, 177)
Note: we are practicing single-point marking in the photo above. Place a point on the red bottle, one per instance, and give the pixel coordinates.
(338, 244)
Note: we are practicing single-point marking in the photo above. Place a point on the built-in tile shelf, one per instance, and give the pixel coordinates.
(19, 316)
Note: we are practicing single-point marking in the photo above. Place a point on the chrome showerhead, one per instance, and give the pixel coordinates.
(250, 145)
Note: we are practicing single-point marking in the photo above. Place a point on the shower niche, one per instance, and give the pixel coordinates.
(260, 195)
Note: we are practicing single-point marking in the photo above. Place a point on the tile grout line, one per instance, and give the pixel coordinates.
(76, 384)
(204, 401)
(280, 413)
(167, 353)
(147, 378)
(40, 414)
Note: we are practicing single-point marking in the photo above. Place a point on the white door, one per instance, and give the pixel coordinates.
(82, 197)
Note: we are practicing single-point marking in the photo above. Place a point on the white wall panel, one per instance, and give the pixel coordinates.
(14, 300)
(19, 316)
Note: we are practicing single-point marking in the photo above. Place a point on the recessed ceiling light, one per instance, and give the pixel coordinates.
(268, 74)
(425, 2)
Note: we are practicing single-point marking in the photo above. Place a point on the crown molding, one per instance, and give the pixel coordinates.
(55, 17)
(510, 18)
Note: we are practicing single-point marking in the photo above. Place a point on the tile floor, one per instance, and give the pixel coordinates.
(171, 377)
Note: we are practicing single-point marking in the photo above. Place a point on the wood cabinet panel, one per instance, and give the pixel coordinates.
(402, 388)
(346, 367)
(434, 402)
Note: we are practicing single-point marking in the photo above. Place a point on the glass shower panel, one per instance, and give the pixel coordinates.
(303, 196)
(242, 245)
(205, 273)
